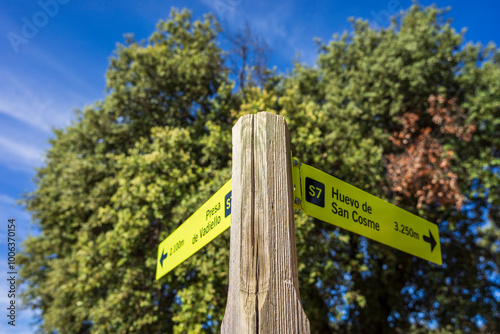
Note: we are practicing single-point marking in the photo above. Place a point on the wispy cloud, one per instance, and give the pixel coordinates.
(65, 72)
(271, 21)
(21, 99)
(285, 37)
(45, 96)
(225, 9)
(7, 199)
(19, 155)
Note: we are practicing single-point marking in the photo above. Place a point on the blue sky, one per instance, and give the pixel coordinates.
(54, 54)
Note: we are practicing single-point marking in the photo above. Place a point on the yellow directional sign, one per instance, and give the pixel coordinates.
(336, 202)
(210, 220)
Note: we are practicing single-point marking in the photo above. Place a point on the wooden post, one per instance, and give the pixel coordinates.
(263, 283)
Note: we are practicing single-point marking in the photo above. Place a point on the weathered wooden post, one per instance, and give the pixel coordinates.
(263, 284)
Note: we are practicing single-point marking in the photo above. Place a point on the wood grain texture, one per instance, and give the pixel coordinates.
(263, 285)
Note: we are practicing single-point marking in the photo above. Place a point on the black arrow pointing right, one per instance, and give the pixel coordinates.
(430, 239)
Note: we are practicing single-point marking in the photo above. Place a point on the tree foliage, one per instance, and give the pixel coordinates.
(408, 113)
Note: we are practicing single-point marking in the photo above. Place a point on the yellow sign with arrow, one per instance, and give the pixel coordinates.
(210, 220)
(321, 196)
(329, 199)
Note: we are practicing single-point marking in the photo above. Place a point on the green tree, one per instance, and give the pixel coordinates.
(125, 175)
(409, 113)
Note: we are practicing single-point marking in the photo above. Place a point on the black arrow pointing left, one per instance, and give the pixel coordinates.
(164, 256)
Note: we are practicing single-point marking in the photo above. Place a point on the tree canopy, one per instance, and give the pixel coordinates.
(410, 113)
